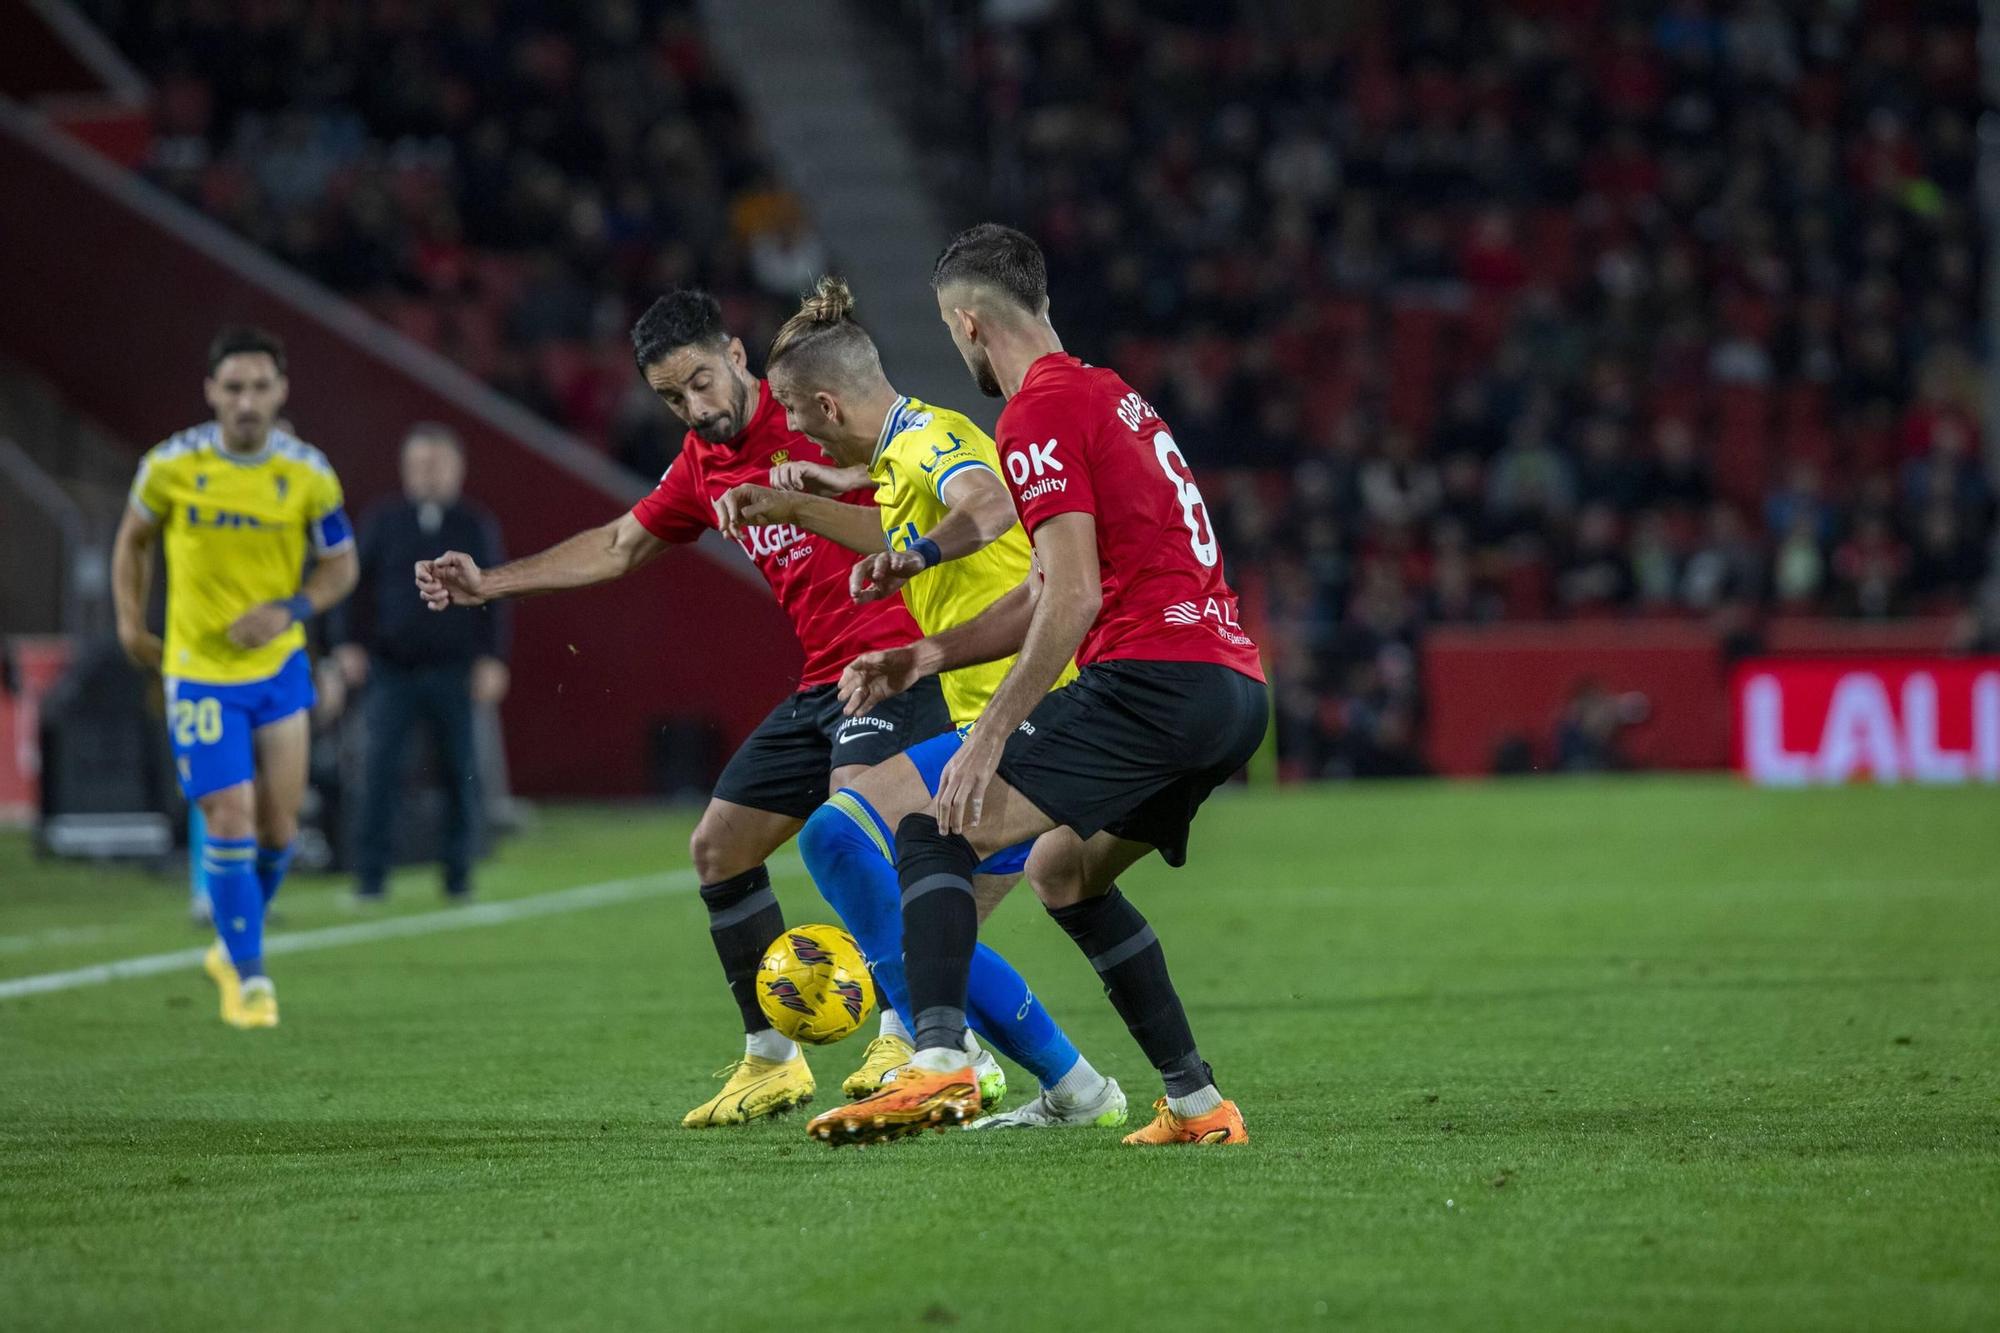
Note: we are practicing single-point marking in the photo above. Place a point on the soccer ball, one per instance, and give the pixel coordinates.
(814, 985)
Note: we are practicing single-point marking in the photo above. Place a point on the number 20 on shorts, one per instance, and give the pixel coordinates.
(197, 720)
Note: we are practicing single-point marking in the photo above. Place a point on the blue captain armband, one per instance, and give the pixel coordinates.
(331, 531)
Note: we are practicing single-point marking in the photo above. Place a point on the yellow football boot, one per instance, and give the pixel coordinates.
(755, 1087)
(216, 963)
(918, 1099)
(1222, 1125)
(255, 1004)
(883, 1057)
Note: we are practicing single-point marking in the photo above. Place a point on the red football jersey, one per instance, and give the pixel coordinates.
(1077, 439)
(808, 572)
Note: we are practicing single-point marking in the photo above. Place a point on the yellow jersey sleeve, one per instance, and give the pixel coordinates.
(326, 513)
(918, 468)
(950, 447)
(149, 487)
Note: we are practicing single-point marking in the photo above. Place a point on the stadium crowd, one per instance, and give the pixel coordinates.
(510, 184)
(1546, 308)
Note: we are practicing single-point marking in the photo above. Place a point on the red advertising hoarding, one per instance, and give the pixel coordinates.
(1817, 721)
(40, 660)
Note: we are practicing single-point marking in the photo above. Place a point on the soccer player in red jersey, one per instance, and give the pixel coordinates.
(806, 749)
(1169, 702)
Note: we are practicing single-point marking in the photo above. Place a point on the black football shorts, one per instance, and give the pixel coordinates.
(782, 766)
(1134, 748)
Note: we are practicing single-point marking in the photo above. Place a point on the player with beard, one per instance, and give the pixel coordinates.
(945, 534)
(806, 749)
(237, 503)
(1170, 701)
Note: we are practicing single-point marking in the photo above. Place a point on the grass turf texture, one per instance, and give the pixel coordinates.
(1645, 1054)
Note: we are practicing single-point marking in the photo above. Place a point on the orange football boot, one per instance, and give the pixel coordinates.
(1222, 1125)
(916, 1100)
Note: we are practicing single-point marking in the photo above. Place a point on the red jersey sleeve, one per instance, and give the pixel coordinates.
(1042, 451)
(676, 511)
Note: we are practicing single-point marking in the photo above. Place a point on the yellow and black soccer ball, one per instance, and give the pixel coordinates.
(814, 985)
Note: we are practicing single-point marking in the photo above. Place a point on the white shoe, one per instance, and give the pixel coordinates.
(1104, 1111)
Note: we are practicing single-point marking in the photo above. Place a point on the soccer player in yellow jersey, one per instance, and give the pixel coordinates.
(955, 546)
(237, 504)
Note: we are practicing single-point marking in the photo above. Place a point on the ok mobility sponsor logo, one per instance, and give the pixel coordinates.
(1038, 461)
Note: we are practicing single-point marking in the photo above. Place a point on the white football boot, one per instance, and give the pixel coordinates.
(1047, 1111)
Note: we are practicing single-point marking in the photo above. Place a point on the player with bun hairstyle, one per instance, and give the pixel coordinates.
(954, 547)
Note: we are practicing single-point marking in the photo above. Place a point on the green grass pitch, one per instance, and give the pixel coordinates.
(1644, 1054)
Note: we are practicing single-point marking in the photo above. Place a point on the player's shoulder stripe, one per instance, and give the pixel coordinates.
(964, 465)
(184, 442)
(286, 445)
(944, 421)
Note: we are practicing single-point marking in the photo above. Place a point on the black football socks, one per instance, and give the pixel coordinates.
(940, 928)
(1120, 944)
(743, 919)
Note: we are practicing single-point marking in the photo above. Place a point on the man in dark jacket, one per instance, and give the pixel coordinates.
(419, 666)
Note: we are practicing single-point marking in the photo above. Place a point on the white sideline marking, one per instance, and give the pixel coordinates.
(576, 899)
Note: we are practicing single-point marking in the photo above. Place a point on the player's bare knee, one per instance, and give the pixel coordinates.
(717, 852)
(229, 813)
(1056, 874)
(892, 788)
(277, 829)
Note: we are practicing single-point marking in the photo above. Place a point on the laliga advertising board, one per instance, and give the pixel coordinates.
(1811, 721)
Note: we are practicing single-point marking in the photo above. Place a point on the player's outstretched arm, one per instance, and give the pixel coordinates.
(131, 584)
(979, 512)
(596, 555)
(858, 527)
(819, 478)
(994, 633)
(1072, 594)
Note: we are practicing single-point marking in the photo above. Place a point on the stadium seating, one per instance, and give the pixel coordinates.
(1536, 222)
(1357, 253)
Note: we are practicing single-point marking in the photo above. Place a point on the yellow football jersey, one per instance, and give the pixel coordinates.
(921, 450)
(236, 531)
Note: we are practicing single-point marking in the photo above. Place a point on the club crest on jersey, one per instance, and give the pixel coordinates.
(780, 457)
(201, 481)
(851, 997)
(786, 992)
(284, 484)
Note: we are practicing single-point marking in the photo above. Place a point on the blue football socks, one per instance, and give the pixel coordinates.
(849, 853)
(272, 863)
(230, 866)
